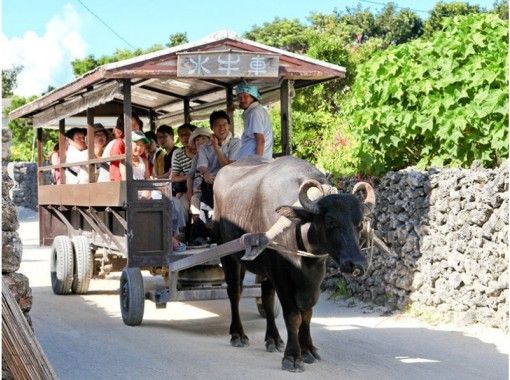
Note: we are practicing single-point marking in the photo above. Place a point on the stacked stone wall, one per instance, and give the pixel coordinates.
(12, 247)
(447, 231)
(24, 191)
(448, 235)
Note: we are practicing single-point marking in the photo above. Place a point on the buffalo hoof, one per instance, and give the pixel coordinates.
(291, 365)
(239, 340)
(310, 357)
(272, 346)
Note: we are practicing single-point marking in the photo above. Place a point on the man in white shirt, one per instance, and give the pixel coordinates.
(257, 136)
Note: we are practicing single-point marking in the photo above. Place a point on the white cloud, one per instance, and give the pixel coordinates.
(45, 59)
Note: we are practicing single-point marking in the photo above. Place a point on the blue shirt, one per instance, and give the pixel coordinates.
(206, 156)
(256, 120)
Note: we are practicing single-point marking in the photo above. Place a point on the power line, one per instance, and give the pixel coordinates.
(105, 24)
(396, 6)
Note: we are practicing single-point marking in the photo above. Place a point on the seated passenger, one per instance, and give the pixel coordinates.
(76, 152)
(221, 151)
(101, 141)
(138, 162)
(198, 139)
(163, 166)
(152, 150)
(181, 165)
(54, 159)
(118, 148)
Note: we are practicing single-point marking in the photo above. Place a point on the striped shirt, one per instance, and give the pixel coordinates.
(181, 163)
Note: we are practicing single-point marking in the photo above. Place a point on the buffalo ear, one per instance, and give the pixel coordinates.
(295, 214)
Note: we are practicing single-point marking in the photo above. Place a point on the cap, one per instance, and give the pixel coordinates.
(199, 132)
(251, 90)
(98, 127)
(139, 136)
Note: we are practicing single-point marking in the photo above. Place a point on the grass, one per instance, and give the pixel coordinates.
(341, 291)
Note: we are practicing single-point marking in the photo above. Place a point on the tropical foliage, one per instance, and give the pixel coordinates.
(23, 147)
(438, 101)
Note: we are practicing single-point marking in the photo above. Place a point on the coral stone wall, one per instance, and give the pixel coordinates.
(12, 247)
(448, 234)
(24, 191)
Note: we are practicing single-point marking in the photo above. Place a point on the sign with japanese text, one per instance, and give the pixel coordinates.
(227, 64)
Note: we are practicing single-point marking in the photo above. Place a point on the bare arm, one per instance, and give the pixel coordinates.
(260, 142)
(222, 159)
(179, 177)
(146, 163)
(122, 168)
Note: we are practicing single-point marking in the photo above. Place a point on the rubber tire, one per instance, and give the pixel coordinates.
(83, 265)
(132, 296)
(61, 265)
(262, 312)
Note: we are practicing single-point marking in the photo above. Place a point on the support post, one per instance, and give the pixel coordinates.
(187, 113)
(152, 120)
(91, 141)
(62, 148)
(230, 107)
(126, 91)
(286, 121)
(40, 174)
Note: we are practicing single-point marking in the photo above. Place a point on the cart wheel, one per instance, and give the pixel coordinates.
(61, 265)
(262, 312)
(83, 265)
(132, 297)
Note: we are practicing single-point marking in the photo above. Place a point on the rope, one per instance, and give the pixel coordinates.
(297, 252)
(368, 231)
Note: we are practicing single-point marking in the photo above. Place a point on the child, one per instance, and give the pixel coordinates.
(139, 164)
(198, 138)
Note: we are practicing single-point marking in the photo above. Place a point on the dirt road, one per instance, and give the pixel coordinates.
(84, 338)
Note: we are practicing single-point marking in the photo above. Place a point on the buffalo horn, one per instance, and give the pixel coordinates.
(305, 200)
(370, 198)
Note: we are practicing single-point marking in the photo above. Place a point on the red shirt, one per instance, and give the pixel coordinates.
(118, 147)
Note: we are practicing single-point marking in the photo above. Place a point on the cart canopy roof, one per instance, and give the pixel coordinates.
(197, 72)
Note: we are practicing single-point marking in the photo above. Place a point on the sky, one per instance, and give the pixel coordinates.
(44, 36)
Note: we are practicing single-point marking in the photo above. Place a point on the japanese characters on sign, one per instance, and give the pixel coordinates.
(227, 64)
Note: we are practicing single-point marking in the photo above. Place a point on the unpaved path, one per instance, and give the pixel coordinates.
(84, 338)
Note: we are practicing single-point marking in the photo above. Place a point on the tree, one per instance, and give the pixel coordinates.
(283, 33)
(177, 39)
(23, 147)
(358, 25)
(10, 80)
(443, 11)
(501, 9)
(82, 66)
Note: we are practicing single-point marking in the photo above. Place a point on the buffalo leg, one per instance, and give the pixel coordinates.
(292, 360)
(234, 274)
(308, 351)
(273, 340)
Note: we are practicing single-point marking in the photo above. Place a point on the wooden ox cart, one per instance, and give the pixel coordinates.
(97, 228)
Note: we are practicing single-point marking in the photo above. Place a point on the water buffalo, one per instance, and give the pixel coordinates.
(250, 195)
